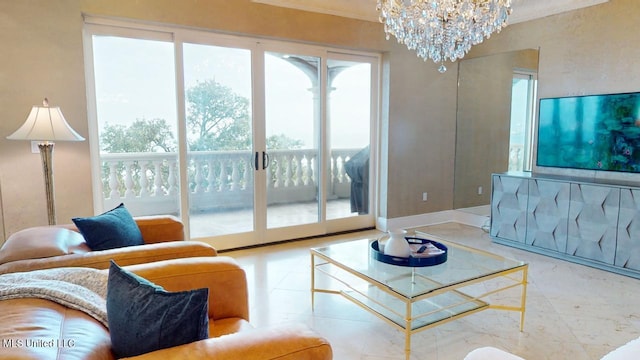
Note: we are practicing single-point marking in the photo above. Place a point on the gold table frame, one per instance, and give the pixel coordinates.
(435, 314)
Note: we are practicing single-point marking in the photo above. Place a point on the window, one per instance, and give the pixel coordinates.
(523, 95)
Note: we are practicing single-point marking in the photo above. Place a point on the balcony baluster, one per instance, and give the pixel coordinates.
(219, 179)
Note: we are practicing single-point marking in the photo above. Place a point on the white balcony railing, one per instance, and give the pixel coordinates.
(217, 180)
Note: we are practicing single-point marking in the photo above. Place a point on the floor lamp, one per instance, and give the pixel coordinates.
(46, 125)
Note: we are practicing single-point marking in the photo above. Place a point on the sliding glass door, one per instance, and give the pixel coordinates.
(247, 141)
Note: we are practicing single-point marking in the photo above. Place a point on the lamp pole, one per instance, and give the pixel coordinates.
(46, 153)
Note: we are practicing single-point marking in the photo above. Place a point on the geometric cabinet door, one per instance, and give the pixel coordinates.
(509, 207)
(593, 221)
(547, 214)
(628, 245)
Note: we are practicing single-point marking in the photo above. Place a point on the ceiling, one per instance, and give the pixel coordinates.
(523, 10)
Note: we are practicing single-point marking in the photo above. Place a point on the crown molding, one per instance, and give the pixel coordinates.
(355, 9)
(523, 10)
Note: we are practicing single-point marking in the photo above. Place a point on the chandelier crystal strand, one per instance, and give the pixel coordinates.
(442, 30)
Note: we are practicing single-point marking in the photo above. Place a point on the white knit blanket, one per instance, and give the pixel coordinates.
(83, 289)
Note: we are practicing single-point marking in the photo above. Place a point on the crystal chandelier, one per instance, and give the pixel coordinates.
(442, 29)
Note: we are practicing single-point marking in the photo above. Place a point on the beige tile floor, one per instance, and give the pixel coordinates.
(573, 312)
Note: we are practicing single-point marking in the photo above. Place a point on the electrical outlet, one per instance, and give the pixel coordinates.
(479, 190)
(34, 147)
(424, 196)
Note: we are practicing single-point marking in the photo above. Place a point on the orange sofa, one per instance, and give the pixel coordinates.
(72, 334)
(63, 246)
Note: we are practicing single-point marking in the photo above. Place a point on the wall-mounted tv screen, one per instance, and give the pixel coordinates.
(596, 132)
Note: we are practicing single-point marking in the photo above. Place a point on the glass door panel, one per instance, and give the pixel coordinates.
(349, 118)
(292, 122)
(220, 166)
(135, 102)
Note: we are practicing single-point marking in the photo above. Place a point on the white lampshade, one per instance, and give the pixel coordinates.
(45, 123)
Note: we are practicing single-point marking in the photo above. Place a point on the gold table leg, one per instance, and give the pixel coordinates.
(407, 332)
(313, 282)
(523, 296)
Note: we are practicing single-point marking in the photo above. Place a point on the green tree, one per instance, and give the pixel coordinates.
(218, 118)
(141, 136)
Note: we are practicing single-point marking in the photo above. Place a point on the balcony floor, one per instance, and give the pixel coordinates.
(216, 223)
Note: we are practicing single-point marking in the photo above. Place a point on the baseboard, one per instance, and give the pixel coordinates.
(462, 217)
(471, 219)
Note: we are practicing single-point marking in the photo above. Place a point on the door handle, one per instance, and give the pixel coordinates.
(255, 163)
(265, 160)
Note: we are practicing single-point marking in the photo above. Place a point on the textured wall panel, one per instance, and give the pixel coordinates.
(593, 221)
(628, 248)
(547, 214)
(508, 208)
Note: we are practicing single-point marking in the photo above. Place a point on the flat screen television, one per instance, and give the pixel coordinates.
(595, 132)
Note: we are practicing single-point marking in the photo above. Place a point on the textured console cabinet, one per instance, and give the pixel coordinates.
(574, 219)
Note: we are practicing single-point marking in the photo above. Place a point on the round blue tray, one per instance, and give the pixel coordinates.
(411, 261)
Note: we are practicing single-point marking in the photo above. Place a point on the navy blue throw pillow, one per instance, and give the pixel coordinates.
(143, 317)
(114, 229)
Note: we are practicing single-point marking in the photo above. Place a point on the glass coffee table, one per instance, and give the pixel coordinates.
(418, 298)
